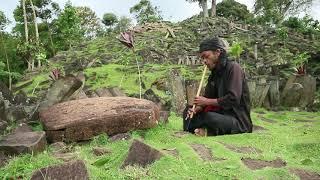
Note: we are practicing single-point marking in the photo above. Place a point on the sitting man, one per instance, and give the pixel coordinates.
(225, 106)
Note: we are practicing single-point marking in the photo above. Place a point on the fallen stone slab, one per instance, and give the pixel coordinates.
(85, 118)
(305, 174)
(141, 154)
(203, 151)
(255, 164)
(174, 152)
(75, 170)
(243, 149)
(26, 142)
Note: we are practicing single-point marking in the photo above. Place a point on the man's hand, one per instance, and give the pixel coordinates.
(201, 101)
(197, 109)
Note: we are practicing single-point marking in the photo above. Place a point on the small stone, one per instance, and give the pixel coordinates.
(27, 142)
(100, 151)
(141, 154)
(119, 137)
(75, 170)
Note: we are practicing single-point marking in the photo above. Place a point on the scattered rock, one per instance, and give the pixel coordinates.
(178, 92)
(121, 136)
(26, 142)
(259, 164)
(72, 170)
(258, 128)
(103, 92)
(61, 91)
(244, 150)
(3, 159)
(66, 157)
(22, 128)
(305, 174)
(180, 134)
(174, 152)
(100, 151)
(59, 147)
(85, 118)
(6, 93)
(203, 151)
(299, 91)
(141, 154)
(164, 116)
(3, 126)
(116, 92)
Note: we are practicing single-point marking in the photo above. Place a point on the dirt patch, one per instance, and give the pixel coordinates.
(180, 134)
(244, 150)
(259, 164)
(203, 151)
(258, 128)
(304, 174)
(173, 152)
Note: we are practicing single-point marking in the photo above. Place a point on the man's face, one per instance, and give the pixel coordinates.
(210, 58)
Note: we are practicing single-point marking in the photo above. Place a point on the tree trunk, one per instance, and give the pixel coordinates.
(25, 21)
(8, 65)
(204, 6)
(213, 8)
(36, 29)
(51, 39)
(35, 22)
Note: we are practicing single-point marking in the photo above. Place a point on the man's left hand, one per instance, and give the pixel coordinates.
(201, 101)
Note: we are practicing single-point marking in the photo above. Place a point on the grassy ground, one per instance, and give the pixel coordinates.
(295, 142)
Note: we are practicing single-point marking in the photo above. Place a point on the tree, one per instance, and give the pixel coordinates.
(204, 6)
(3, 22)
(274, 11)
(123, 24)
(145, 12)
(89, 22)
(233, 10)
(109, 19)
(69, 26)
(213, 8)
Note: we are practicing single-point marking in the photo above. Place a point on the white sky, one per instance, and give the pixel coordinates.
(173, 10)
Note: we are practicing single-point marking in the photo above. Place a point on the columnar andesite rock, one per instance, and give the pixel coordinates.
(82, 119)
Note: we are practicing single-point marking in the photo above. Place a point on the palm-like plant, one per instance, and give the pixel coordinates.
(127, 39)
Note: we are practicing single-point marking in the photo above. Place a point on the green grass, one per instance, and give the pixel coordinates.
(297, 143)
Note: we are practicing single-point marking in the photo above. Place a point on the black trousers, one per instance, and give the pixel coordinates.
(214, 122)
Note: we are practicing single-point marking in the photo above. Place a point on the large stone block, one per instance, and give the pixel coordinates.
(82, 119)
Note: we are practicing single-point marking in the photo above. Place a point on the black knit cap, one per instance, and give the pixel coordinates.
(211, 44)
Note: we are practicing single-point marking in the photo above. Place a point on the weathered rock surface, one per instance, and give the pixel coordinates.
(141, 154)
(61, 91)
(23, 142)
(178, 92)
(299, 91)
(82, 119)
(75, 170)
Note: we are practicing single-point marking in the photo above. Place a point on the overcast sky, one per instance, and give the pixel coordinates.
(173, 10)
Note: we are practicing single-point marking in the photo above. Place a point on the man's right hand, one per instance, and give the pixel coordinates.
(197, 109)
